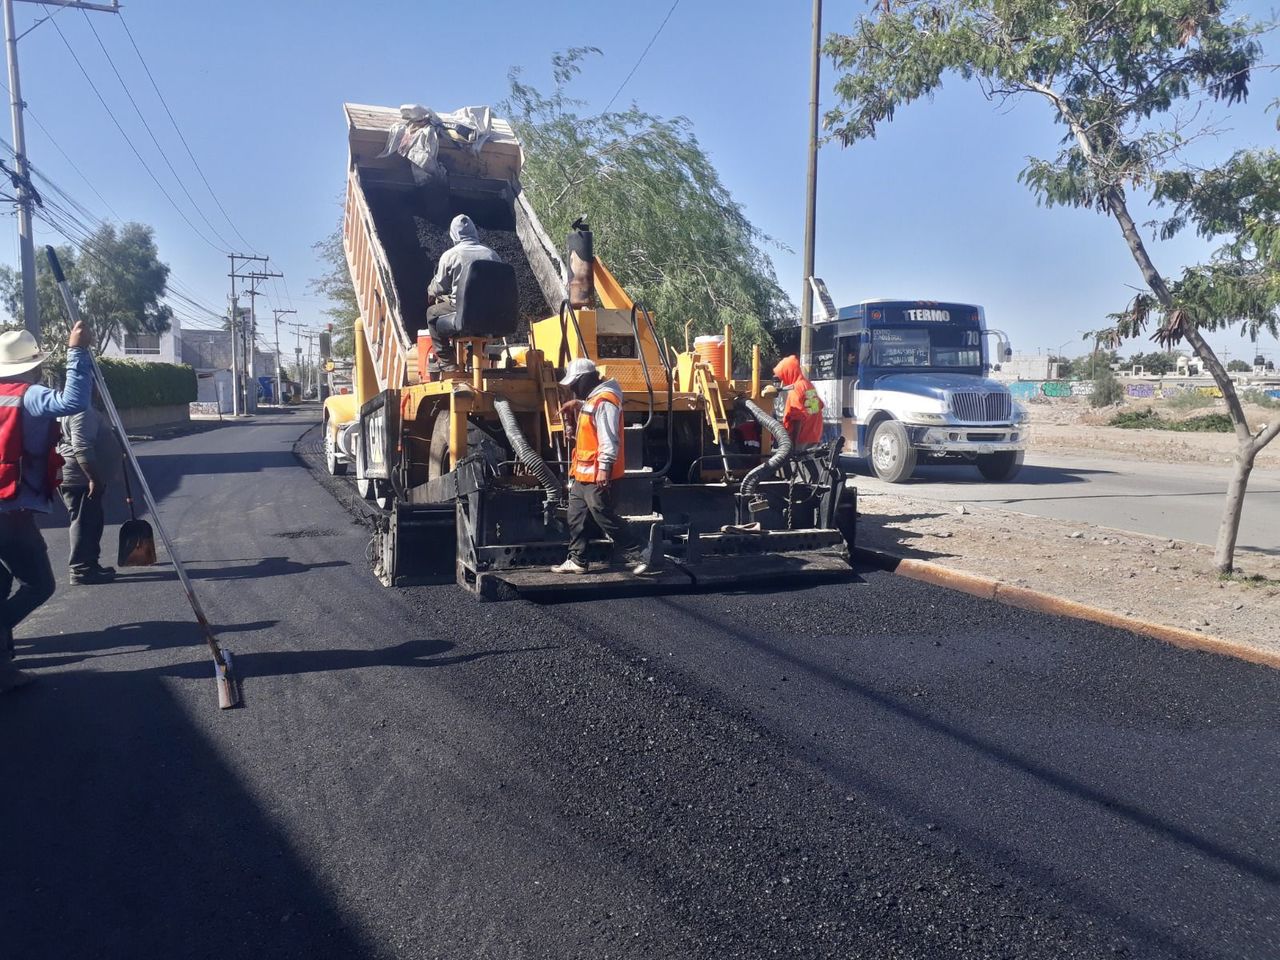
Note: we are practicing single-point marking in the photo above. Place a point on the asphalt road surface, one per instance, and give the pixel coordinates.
(1182, 501)
(874, 769)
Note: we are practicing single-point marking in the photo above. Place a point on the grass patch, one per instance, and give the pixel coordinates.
(1189, 400)
(1260, 399)
(1250, 579)
(1148, 419)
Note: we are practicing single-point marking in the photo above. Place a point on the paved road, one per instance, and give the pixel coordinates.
(1183, 501)
(879, 769)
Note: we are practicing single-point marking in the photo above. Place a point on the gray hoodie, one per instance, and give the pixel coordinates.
(466, 248)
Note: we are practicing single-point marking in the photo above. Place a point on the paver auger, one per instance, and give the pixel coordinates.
(470, 467)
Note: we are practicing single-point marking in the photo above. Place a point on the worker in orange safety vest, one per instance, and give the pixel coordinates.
(598, 461)
(802, 416)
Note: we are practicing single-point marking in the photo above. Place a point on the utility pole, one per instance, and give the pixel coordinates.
(279, 314)
(27, 197)
(811, 201)
(251, 328)
(235, 351)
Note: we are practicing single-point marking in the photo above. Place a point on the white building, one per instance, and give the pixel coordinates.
(154, 348)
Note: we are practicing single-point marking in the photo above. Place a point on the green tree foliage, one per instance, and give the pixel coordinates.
(1106, 387)
(1115, 77)
(1157, 363)
(1238, 366)
(664, 223)
(117, 278)
(335, 285)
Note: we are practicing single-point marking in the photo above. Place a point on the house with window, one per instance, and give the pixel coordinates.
(151, 347)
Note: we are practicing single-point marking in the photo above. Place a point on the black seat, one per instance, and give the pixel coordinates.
(488, 300)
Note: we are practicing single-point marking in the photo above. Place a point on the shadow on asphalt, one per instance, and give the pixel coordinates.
(125, 835)
(251, 570)
(1055, 778)
(963, 473)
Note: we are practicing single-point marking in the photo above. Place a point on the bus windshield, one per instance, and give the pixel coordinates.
(924, 348)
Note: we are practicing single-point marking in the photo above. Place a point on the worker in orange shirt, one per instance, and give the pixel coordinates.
(802, 416)
(597, 463)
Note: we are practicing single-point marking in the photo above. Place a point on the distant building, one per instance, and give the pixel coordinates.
(152, 347)
(1027, 366)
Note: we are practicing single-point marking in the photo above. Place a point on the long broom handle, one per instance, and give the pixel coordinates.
(74, 312)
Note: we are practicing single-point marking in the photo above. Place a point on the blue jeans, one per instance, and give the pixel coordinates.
(24, 559)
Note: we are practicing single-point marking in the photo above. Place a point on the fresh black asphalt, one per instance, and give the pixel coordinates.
(875, 769)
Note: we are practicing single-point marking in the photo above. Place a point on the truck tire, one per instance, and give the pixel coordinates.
(893, 459)
(999, 467)
(334, 466)
(477, 440)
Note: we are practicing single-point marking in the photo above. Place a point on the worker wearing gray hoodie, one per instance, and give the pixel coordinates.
(442, 291)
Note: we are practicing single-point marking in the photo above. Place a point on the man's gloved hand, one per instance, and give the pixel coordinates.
(604, 482)
(570, 408)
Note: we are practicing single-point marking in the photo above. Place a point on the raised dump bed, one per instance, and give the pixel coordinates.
(412, 223)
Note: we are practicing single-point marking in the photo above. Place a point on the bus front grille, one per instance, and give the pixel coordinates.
(982, 407)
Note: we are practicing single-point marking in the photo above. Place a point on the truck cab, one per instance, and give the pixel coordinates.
(905, 380)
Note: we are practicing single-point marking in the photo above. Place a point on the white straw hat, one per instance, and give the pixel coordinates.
(19, 353)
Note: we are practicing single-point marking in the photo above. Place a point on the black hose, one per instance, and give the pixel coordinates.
(526, 454)
(781, 452)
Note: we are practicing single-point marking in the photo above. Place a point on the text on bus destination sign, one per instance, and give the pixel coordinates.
(927, 316)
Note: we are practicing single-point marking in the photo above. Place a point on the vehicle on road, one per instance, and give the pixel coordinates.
(469, 467)
(906, 380)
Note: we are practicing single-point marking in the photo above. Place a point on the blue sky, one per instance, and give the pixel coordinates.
(931, 209)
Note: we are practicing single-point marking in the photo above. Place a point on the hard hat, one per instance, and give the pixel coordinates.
(578, 368)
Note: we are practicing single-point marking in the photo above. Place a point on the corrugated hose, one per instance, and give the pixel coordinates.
(526, 454)
(781, 452)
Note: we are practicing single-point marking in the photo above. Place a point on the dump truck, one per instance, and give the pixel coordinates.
(467, 469)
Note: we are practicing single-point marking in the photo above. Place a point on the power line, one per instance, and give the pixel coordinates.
(643, 54)
(127, 140)
(178, 130)
(151, 133)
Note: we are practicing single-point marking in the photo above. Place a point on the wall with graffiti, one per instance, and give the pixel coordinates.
(1146, 390)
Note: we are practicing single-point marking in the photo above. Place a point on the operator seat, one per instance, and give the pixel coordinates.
(488, 301)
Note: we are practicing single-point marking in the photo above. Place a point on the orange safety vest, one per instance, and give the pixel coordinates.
(586, 451)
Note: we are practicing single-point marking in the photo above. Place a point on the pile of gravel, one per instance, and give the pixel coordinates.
(414, 228)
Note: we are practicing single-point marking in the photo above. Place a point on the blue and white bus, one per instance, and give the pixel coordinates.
(903, 380)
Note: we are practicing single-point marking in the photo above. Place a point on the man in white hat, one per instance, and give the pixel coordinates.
(29, 474)
(598, 461)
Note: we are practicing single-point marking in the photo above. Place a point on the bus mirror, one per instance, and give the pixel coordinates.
(1008, 352)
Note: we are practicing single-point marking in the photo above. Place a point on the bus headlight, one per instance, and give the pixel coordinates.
(923, 417)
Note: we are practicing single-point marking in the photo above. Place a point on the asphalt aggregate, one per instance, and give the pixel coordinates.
(872, 769)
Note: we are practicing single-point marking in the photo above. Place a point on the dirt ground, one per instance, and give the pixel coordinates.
(1070, 423)
(1163, 581)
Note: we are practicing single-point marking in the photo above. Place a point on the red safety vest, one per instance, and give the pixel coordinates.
(586, 450)
(14, 460)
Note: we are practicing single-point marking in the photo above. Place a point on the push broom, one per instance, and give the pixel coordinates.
(228, 689)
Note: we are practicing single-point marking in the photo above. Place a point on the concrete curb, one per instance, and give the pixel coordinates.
(1039, 602)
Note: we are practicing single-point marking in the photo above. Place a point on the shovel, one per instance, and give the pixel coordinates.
(223, 672)
(137, 542)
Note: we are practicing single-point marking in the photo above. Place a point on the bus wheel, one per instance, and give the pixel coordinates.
(892, 457)
(999, 467)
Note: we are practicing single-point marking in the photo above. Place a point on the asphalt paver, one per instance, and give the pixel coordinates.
(872, 769)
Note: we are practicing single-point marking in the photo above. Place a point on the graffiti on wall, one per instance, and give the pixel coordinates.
(1030, 389)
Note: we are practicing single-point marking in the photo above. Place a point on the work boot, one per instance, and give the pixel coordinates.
(570, 566)
(93, 575)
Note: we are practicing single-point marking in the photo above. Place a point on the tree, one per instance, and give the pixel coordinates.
(1113, 76)
(117, 279)
(1156, 363)
(1238, 366)
(664, 223)
(335, 284)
